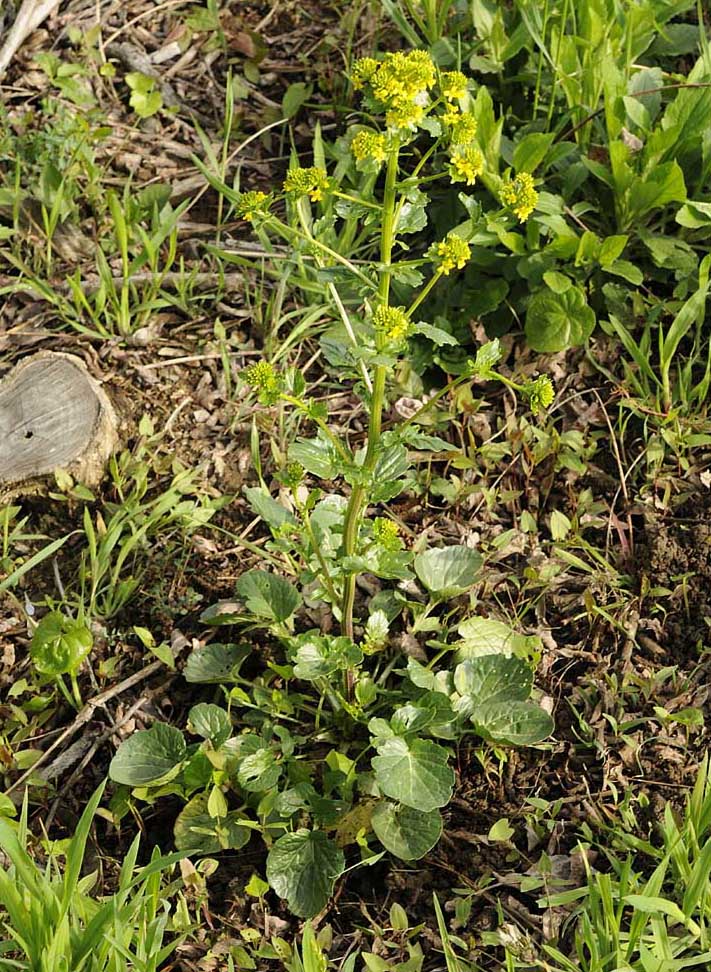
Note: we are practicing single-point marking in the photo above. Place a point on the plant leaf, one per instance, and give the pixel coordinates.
(302, 868)
(320, 655)
(414, 772)
(448, 570)
(493, 678)
(514, 723)
(259, 771)
(268, 595)
(211, 722)
(196, 830)
(485, 636)
(531, 151)
(214, 663)
(149, 756)
(294, 97)
(555, 322)
(407, 833)
(317, 456)
(273, 513)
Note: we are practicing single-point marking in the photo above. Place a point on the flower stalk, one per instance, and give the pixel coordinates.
(358, 494)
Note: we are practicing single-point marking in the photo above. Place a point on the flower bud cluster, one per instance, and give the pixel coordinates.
(540, 393)
(393, 322)
(369, 146)
(451, 253)
(311, 182)
(265, 379)
(386, 533)
(252, 205)
(519, 195)
(400, 83)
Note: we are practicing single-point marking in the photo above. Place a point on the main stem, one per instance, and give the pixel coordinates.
(358, 494)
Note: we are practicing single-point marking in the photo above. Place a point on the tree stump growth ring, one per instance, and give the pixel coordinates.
(53, 415)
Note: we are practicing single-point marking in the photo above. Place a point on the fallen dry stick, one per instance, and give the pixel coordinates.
(30, 15)
(85, 715)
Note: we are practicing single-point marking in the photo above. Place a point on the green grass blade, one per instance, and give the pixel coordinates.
(75, 853)
(33, 561)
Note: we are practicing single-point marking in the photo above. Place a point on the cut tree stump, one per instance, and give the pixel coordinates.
(53, 415)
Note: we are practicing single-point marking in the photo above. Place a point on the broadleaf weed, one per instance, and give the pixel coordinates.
(347, 230)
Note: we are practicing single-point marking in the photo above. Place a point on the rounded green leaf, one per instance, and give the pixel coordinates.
(211, 722)
(408, 834)
(149, 756)
(259, 771)
(493, 678)
(320, 655)
(555, 322)
(59, 644)
(512, 723)
(196, 830)
(214, 663)
(317, 456)
(268, 595)
(485, 636)
(302, 868)
(448, 570)
(414, 772)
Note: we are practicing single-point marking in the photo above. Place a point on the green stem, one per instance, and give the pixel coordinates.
(449, 387)
(358, 494)
(327, 582)
(290, 231)
(355, 199)
(335, 442)
(423, 293)
(61, 684)
(75, 689)
(334, 292)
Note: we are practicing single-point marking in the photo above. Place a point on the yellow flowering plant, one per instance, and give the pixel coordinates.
(356, 224)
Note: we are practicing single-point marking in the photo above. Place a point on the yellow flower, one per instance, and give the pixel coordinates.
(465, 165)
(403, 77)
(520, 195)
(451, 253)
(454, 85)
(392, 322)
(386, 533)
(253, 204)
(401, 83)
(363, 70)
(463, 129)
(301, 182)
(265, 379)
(368, 145)
(540, 393)
(406, 115)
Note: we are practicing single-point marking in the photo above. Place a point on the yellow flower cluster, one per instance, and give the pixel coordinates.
(367, 145)
(400, 82)
(252, 204)
(393, 322)
(465, 164)
(520, 195)
(453, 85)
(363, 70)
(403, 77)
(312, 182)
(463, 127)
(452, 253)
(407, 115)
(264, 378)
(386, 533)
(540, 393)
